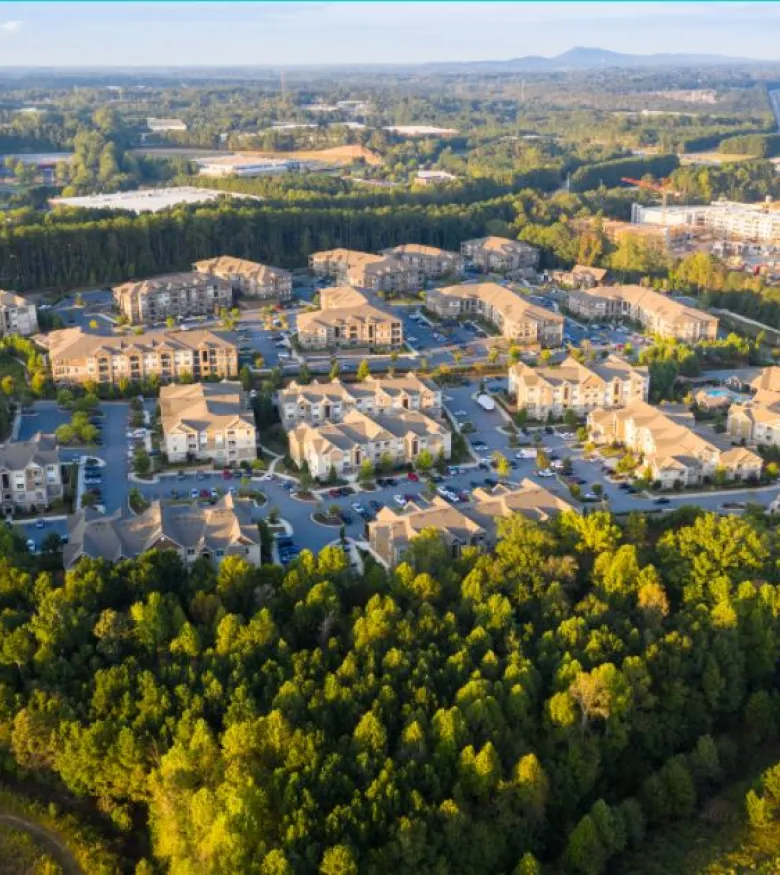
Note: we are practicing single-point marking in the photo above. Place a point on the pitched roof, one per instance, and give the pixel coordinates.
(341, 305)
(313, 393)
(226, 266)
(500, 244)
(510, 304)
(421, 249)
(39, 450)
(654, 302)
(529, 499)
(204, 406)
(169, 282)
(768, 379)
(573, 372)
(74, 343)
(11, 299)
(440, 515)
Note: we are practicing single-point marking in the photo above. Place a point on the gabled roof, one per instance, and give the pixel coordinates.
(200, 407)
(39, 450)
(509, 304)
(226, 266)
(169, 282)
(529, 499)
(11, 299)
(503, 245)
(75, 343)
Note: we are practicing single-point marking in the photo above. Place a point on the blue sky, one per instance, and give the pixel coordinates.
(275, 34)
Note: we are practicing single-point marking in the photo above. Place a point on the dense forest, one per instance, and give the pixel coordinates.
(553, 702)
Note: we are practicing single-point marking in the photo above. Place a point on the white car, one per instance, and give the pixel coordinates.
(590, 496)
(458, 414)
(526, 454)
(266, 477)
(411, 338)
(544, 472)
(357, 507)
(31, 545)
(556, 465)
(400, 500)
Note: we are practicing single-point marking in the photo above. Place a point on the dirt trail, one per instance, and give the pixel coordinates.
(48, 840)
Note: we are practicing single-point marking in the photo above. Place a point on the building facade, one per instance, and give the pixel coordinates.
(580, 277)
(345, 318)
(344, 446)
(317, 403)
(656, 312)
(208, 421)
(30, 474)
(431, 262)
(17, 315)
(179, 295)
(193, 532)
(249, 278)
(512, 314)
(79, 357)
(499, 254)
(612, 382)
(367, 271)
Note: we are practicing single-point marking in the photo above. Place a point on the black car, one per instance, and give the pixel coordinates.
(376, 505)
(344, 491)
(474, 484)
(661, 500)
(483, 466)
(436, 478)
(548, 429)
(346, 518)
(490, 481)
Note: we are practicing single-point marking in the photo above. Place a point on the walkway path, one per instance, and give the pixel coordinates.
(48, 840)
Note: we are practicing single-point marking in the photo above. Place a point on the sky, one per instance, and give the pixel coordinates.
(309, 33)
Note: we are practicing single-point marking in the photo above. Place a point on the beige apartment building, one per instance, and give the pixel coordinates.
(581, 276)
(572, 385)
(376, 396)
(249, 278)
(208, 421)
(345, 318)
(213, 532)
(512, 314)
(430, 261)
(499, 254)
(666, 441)
(344, 446)
(657, 313)
(17, 315)
(472, 525)
(30, 474)
(179, 295)
(757, 421)
(367, 271)
(80, 357)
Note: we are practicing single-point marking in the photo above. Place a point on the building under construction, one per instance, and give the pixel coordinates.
(724, 220)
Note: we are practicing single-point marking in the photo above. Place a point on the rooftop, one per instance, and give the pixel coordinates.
(146, 200)
(201, 406)
(75, 343)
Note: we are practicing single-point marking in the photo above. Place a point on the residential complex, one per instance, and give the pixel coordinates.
(580, 276)
(375, 272)
(572, 385)
(344, 446)
(345, 318)
(472, 525)
(208, 421)
(516, 317)
(193, 532)
(331, 402)
(17, 315)
(430, 261)
(756, 223)
(665, 438)
(757, 421)
(500, 254)
(77, 356)
(178, 295)
(248, 277)
(657, 313)
(30, 474)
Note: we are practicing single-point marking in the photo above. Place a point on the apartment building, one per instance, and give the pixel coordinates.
(375, 272)
(472, 525)
(344, 446)
(581, 276)
(669, 446)
(77, 356)
(572, 385)
(430, 261)
(213, 532)
(180, 295)
(17, 315)
(657, 313)
(499, 254)
(376, 396)
(756, 223)
(30, 474)
(249, 278)
(516, 318)
(208, 421)
(345, 318)
(757, 421)
(390, 534)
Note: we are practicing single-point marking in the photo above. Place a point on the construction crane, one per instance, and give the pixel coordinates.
(664, 188)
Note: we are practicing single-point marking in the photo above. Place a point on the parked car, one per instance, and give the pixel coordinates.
(358, 507)
(346, 518)
(376, 505)
(31, 545)
(41, 523)
(412, 476)
(400, 500)
(544, 472)
(334, 493)
(194, 493)
(662, 499)
(226, 474)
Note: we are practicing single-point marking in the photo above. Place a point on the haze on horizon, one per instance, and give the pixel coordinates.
(333, 33)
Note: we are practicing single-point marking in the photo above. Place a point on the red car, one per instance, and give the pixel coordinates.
(412, 476)
(226, 475)
(204, 493)
(334, 493)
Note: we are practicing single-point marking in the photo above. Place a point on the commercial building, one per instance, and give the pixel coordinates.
(162, 125)
(30, 474)
(179, 295)
(669, 446)
(330, 402)
(244, 165)
(77, 356)
(472, 525)
(345, 318)
(512, 314)
(375, 272)
(430, 261)
(151, 200)
(756, 223)
(193, 532)
(17, 315)
(208, 421)
(656, 312)
(500, 254)
(434, 177)
(581, 276)
(248, 277)
(420, 131)
(344, 446)
(572, 385)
